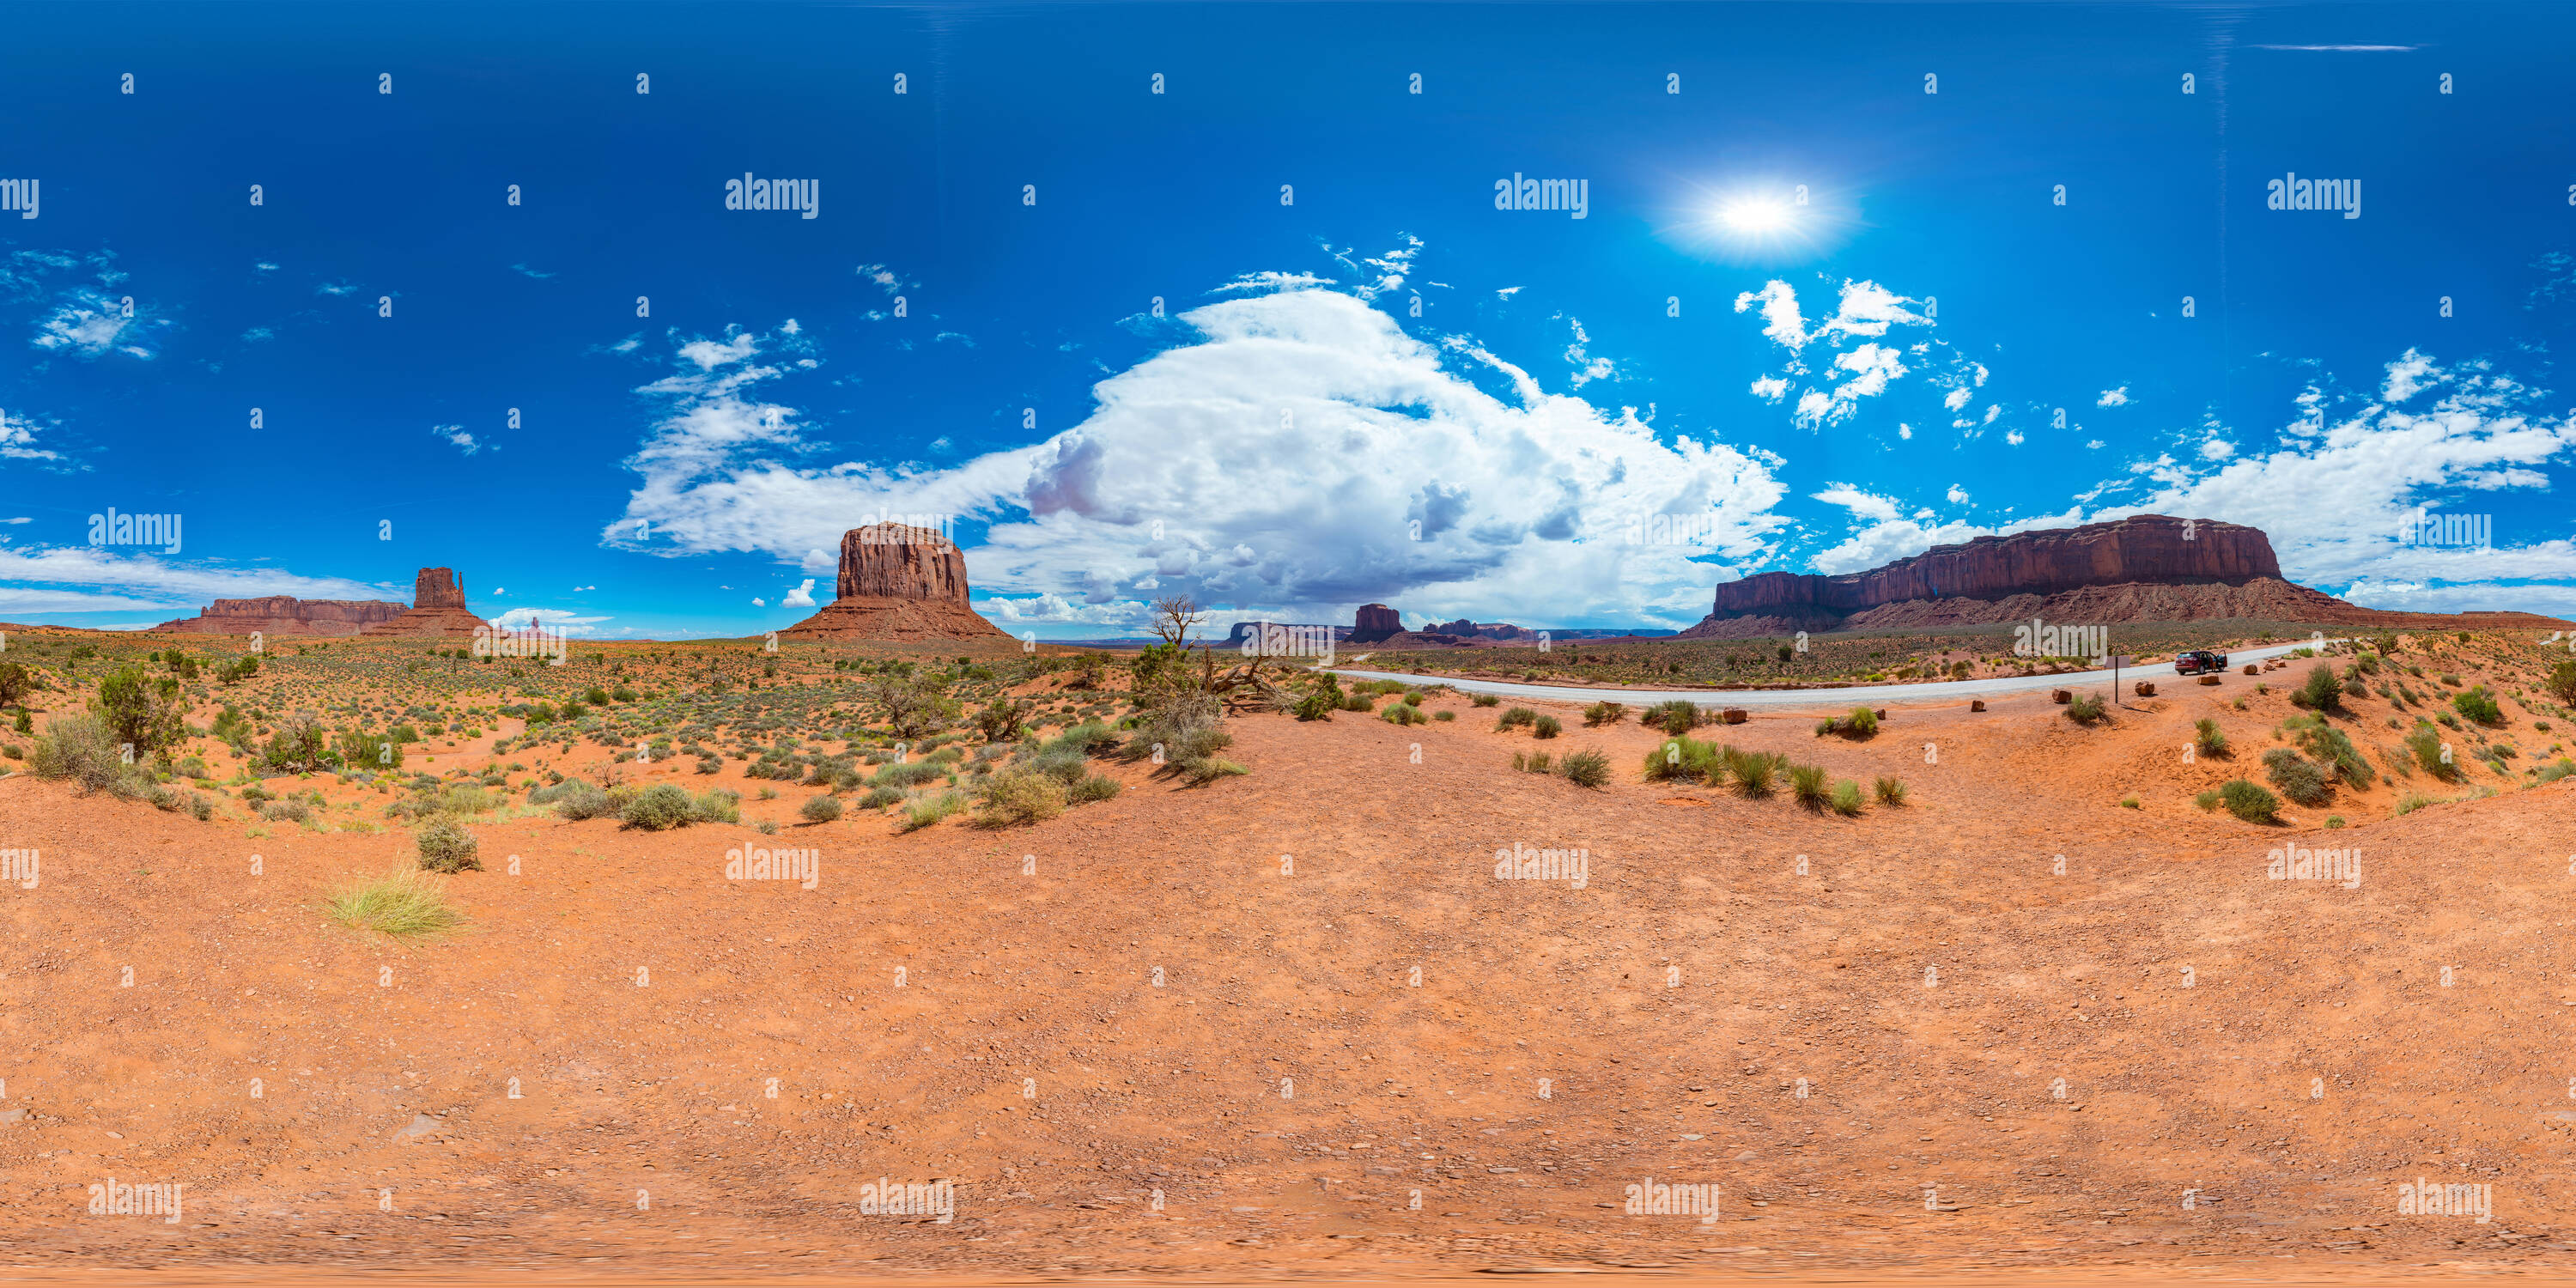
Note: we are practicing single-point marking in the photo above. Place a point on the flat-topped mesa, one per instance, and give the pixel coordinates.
(285, 615)
(898, 582)
(2147, 549)
(438, 611)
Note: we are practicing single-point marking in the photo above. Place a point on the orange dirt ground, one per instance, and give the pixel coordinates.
(2250, 1067)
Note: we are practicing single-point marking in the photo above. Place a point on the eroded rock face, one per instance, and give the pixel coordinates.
(2149, 549)
(898, 583)
(438, 611)
(436, 588)
(1375, 622)
(285, 615)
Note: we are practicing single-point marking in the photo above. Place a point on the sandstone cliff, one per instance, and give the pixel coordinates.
(898, 583)
(1375, 622)
(285, 615)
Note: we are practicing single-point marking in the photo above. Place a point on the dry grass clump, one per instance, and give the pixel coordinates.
(408, 903)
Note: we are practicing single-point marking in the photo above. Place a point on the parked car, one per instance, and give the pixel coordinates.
(2198, 662)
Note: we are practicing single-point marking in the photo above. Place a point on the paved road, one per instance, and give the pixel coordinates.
(1873, 694)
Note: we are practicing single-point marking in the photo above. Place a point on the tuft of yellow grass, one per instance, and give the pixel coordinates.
(405, 903)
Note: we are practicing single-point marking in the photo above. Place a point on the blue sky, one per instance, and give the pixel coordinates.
(1928, 347)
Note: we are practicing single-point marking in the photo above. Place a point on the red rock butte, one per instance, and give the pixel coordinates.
(2145, 568)
(898, 582)
(437, 611)
(285, 615)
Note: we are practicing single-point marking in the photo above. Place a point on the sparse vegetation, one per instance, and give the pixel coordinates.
(1587, 768)
(443, 845)
(2085, 708)
(2298, 779)
(2208, 737)
(2249, 801)
(409, 903)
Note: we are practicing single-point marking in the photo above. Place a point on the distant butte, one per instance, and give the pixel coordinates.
(285, 615)
(898, 582)
(2145, 568)
(437, 611)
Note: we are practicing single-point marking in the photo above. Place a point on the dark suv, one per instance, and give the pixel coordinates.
(2199, 661)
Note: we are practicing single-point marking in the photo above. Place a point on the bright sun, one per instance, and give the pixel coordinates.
(1755, 216)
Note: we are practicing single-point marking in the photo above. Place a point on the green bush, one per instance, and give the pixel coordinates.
(821, 809)
(2329, 747)
(1093, 787)
(1398, 713)
(84, 750)
(1685, 760)
(286, 812)
(2207, 736)
(1604, 713)
(1862, 723)
(2478, 704)
(1846, 798)
(445, 846)
(931, 809)
(880, 797)
(1809, 786)
(1536, 762)
(1485, 700)
(1516, 718)
(1756, 773)
(2424, 743)
(2321, 692)
(1019, 796)
(141, 710)
(2562, 683)
(1676, 716)
(665, 806)
(1546, 727)
(2249, 802)
(2085, 708)
(2207, 800)
(1587, 768)
(2297, 778)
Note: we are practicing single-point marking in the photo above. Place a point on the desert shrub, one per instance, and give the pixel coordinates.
(2207, 736)
(1809, 786)
(2553, 772)
(1686, 760)
(1604, 713)
(445, 846)
(821, 809)
(1444, 715)
(658, 808)
(1845, 799)
(404, 903)
(2207, 800)
(1516, 718)
(929, 810)
(1001, 718)
(1398, 713)
(2085, 708)
(1020, 796)
(2334, 820)
(1189, 730)
(912, 705)
(2329, 747)
(2248, 801)
(1093, 787)
(710, 764)
(2562, 683)
(286, 812)
(1485, 700)
(879, 798)
(2424, 743)
(299, 745)
(2412, 802)
(16, 683)
(1861, 723)
(141, 710)
(1413, 699)
(1322, 700)
(1676, 717)
(1889, 791)
(1546, 727)
(1536, 762)
(909, 774)
(2298, 778)
(84, 750)
(2130, 802)
(2478, 704)
(1358, 702)
(1587, 768)
(2321, 691)
(1756, 773)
